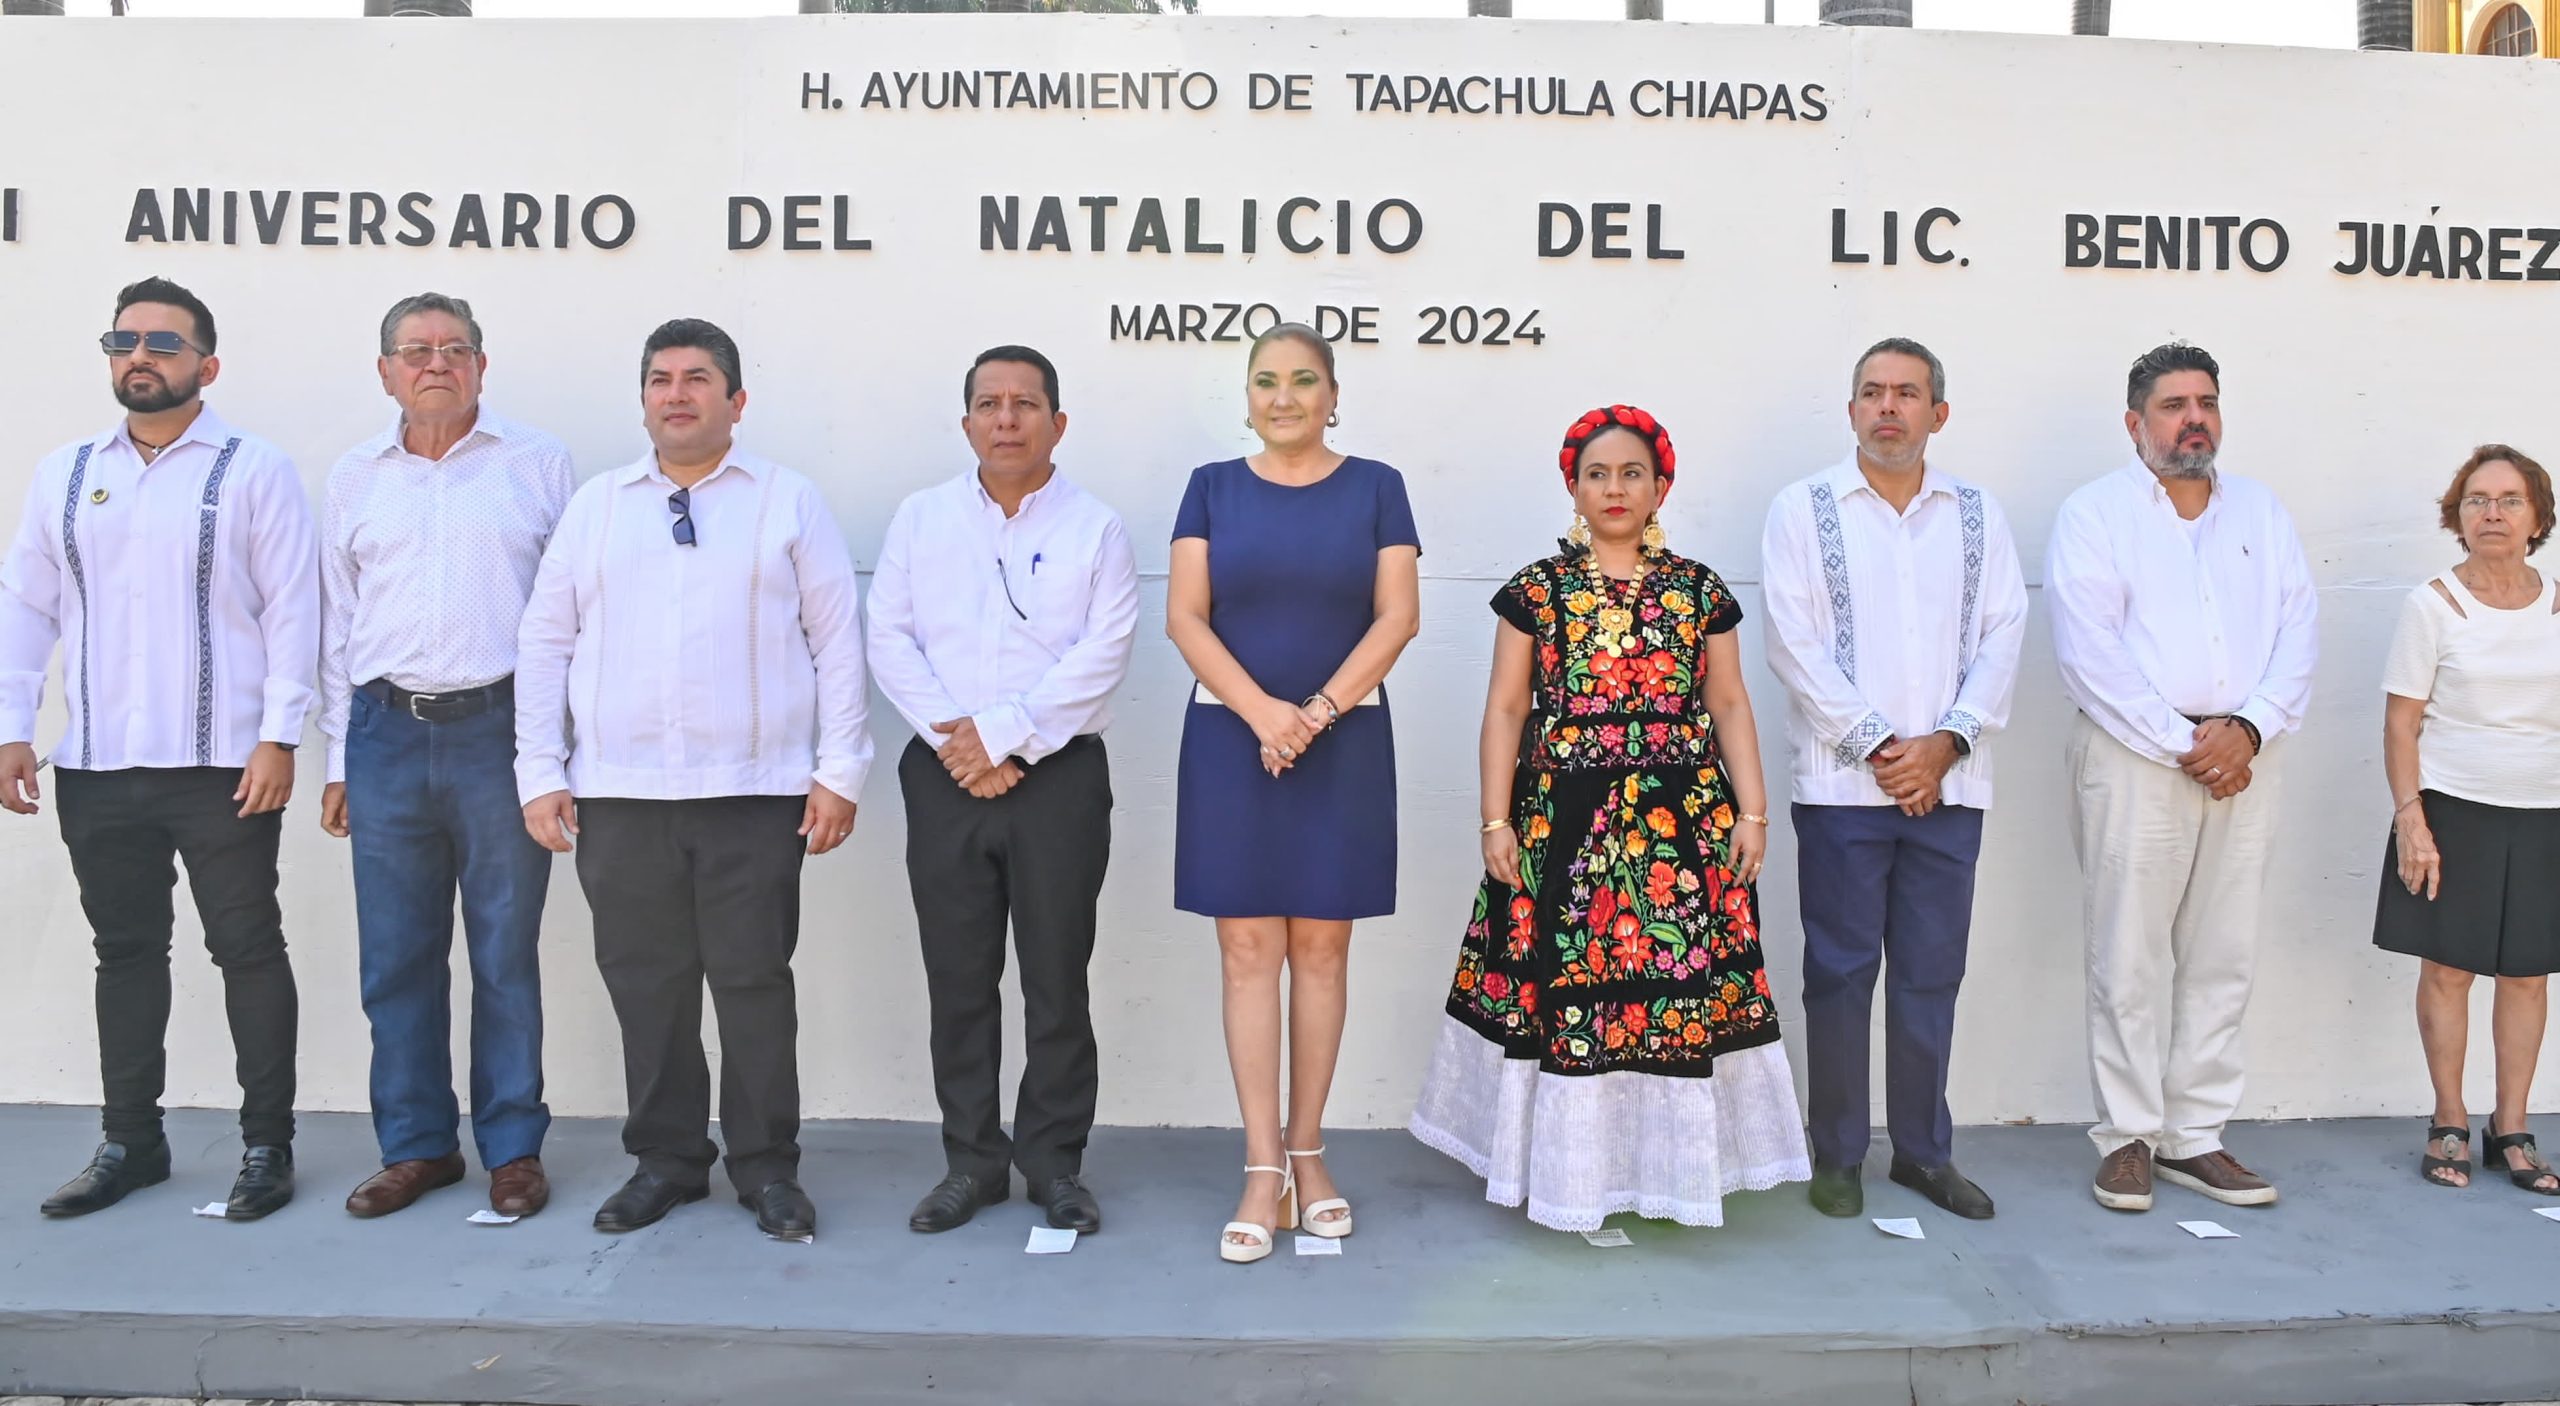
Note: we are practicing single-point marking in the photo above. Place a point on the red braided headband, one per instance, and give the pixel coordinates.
(1619, 417)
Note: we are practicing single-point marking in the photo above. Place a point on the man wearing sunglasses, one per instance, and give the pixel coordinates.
(430, 536)
(172, 560)
(1001, 618)
(693, 627)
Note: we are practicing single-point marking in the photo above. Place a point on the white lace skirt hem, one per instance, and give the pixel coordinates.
(1578, 1149)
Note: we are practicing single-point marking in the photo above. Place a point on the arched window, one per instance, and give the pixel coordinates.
(2510, 34)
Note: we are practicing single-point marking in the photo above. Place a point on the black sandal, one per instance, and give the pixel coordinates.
(2431, 1164)
(2535, 1176)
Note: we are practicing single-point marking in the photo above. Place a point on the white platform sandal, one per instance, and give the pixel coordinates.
(1311, 1215)
(1260, 1243)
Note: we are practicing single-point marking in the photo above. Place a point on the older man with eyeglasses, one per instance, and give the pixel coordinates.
(430, 537)
(694, 629)
(171, 559)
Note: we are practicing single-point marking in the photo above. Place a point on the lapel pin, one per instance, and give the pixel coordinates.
(97, 495)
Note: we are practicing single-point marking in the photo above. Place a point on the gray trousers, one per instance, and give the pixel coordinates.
(688, 894)
(1033, 857)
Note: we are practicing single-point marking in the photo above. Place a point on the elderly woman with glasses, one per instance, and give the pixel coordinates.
(2471, 744)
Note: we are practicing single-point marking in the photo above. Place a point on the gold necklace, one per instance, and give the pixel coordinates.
(1618, 622)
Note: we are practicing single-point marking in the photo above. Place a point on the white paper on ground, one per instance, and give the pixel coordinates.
(219, 1210)
(1049, 1240)
(1609, 1239)
(485, 1216)
(2548, 1212)
(794, 1239)
(2207, 1230)
(1903, 1226)
(1318, 1245)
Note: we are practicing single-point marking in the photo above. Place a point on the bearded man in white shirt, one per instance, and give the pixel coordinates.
(2185, 624)
(1896, 611)
(1001, 620)
(172, 559)
(693, 627)
(430, 538)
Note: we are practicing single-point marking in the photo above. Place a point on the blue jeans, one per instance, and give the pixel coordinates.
(431, 807)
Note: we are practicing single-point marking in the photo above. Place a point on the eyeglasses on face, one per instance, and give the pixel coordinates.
(419, 354)
(2511, 504)
(680, 503)
(122, 343)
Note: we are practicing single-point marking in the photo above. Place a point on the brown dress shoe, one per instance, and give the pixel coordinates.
(519, 1188)
(2219, 1175)
(2124, 1178)
(397, 1186)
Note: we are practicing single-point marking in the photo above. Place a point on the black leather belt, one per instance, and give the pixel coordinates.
(450, 707)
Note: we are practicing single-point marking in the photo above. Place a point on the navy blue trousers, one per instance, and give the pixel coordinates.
(1883, 891)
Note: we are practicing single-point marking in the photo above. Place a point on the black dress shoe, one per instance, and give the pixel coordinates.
(1838, 1191)
(782, 1209)
(1946, 1186)
(264, 1186)
(113, 1171)
(955, 1199)
(1070, 1202)
(644, 1200)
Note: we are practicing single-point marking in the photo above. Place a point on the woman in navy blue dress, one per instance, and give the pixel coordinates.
(1294, 588)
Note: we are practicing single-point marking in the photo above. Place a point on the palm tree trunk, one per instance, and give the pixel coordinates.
(2384, 24)
(1890, 14)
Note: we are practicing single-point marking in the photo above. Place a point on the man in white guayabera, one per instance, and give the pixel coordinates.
(2183, 620)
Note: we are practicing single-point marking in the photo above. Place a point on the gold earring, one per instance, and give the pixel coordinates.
(1654, 540)
(1578, 536)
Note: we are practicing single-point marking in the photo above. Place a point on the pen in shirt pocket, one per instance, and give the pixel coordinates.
(1035, 563)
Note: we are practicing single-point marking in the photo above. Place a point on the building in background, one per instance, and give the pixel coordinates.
(2509, 28)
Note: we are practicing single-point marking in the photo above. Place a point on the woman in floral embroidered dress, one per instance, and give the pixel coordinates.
(1611, 1043)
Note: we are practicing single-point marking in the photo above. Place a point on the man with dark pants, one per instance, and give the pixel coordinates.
(429, 542)
(1001, 617)
(172, 560)
(693, 627)
(1896, 612)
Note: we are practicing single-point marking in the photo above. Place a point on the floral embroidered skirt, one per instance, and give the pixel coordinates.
(1610, 1043)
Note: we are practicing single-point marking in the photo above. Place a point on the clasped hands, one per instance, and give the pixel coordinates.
(1911, 771)
(2219, 762)
(1285, 730)
(964, 755)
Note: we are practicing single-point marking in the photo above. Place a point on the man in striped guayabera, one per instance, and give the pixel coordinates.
(171, 558)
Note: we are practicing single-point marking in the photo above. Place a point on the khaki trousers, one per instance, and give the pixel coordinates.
(2171, 883)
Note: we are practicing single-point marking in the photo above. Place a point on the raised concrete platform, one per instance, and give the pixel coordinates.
(2364, 1286)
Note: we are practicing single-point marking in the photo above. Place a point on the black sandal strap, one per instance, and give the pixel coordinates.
(2449, 1130)
(2495, 1143)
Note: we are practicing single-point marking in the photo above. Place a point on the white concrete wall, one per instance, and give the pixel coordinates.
(2353, 396)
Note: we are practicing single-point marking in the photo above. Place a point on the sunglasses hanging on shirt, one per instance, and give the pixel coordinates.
(680, 503)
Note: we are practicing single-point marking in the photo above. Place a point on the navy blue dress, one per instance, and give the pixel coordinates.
(1292, 587)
